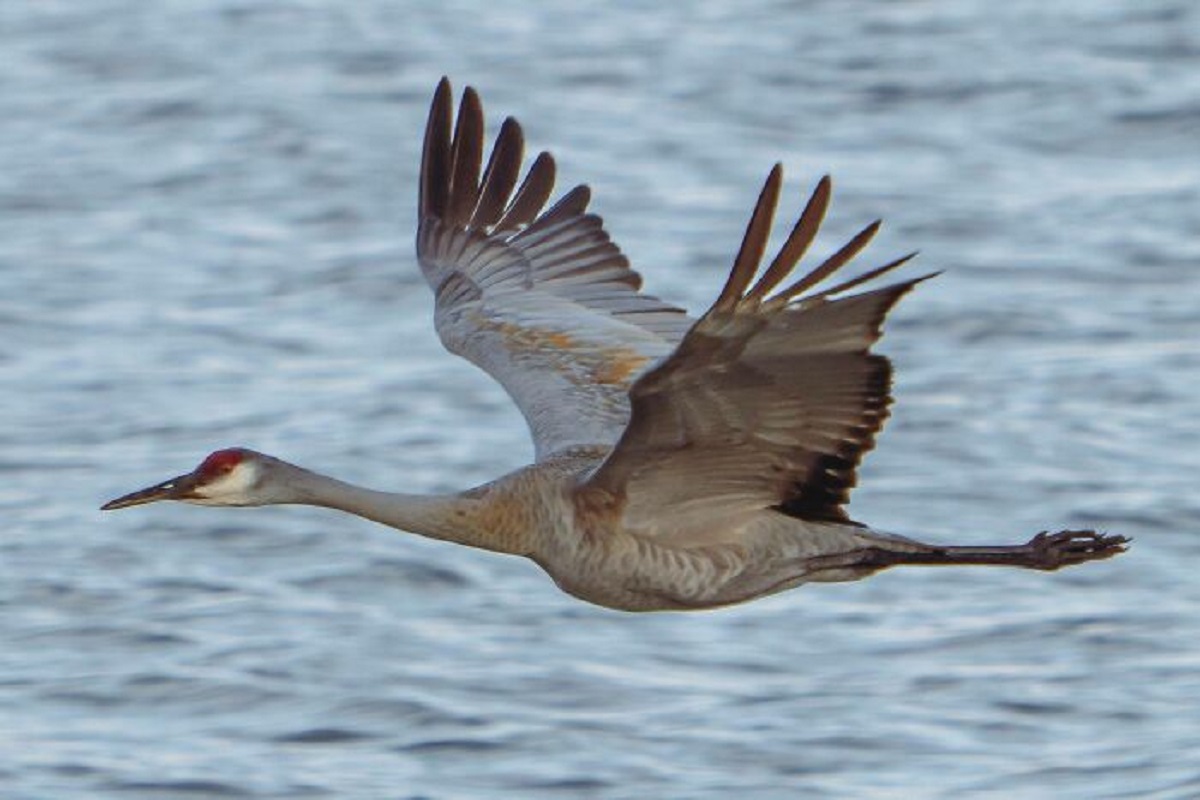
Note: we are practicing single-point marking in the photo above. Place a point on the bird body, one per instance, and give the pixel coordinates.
(680, 463)
(579, 539)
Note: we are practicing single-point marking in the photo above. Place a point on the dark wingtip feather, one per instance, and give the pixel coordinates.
(798, 241)
(831, 264)
(872, 274)
(754, 242)
(467, 158)
(532, 196)
(571, 204)
(500, 176)
(435, 155)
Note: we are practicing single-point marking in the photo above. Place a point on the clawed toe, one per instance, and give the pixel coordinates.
(1054, 550)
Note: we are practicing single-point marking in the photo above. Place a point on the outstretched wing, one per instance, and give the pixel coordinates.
(771, 400)
(543, 301)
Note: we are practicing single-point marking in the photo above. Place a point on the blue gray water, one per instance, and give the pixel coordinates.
(206, 214)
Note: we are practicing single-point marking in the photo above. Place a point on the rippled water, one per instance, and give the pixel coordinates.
(206, 212)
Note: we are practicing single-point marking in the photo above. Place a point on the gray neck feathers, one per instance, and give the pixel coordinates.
(447, 517)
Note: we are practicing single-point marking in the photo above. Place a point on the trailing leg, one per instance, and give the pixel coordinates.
(1046, 551)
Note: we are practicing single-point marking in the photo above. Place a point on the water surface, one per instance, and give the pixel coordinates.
(206, 216)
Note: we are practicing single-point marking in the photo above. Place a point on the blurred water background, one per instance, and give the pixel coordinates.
(206, 219)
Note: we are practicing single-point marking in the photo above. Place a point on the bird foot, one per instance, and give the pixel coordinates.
(1051, 551)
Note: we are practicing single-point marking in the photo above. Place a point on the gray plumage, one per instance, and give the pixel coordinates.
(680, 463)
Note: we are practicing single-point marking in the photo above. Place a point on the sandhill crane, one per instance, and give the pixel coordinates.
(680, 463)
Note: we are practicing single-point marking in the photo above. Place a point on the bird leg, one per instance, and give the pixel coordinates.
(1046, 551)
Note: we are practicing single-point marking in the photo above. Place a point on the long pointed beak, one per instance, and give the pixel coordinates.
(174, 489)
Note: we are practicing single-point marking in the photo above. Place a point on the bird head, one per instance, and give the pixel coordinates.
(230, 477)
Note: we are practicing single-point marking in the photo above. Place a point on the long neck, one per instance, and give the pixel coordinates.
(453, 518)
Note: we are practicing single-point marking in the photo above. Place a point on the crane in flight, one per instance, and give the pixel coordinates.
(680, 463)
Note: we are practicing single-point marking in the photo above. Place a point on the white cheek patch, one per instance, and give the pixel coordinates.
(233, 488)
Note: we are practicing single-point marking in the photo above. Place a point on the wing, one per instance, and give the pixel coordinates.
(542, 301)
(771, 400)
